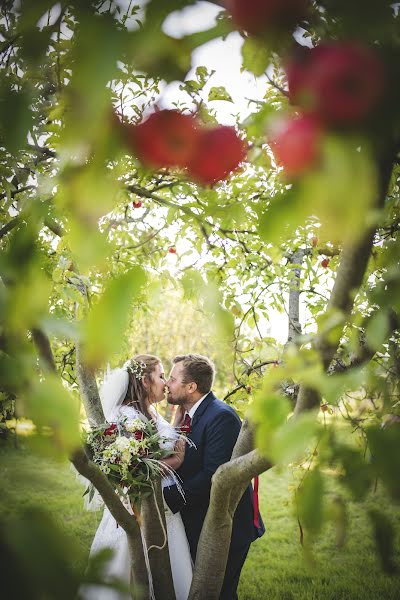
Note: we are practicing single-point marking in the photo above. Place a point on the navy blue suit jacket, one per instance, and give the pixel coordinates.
(214, 430)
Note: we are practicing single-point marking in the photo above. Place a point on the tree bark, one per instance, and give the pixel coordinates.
(294, 326)
(228, 485)
(152, 510)
(43, 347)
(127, 521)
(89, 391)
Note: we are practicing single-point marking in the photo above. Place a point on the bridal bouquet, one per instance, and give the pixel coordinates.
(129, 453)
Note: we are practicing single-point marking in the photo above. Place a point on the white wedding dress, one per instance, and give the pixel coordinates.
(110, 535)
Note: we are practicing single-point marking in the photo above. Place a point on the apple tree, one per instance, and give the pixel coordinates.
(294, 209)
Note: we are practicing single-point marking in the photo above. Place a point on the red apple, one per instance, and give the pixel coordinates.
(259, 16)
(137, 204)
(167, 138)
(341, 82)
(296, 144)
(325, 262)
(219, 152)
(172, 250)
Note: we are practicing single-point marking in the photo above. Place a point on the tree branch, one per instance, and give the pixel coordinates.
(127, 521)
(43, 346)
(351, 271)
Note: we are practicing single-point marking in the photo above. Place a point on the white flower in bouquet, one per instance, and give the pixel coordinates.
(135, 425)
(121, 443)
(135, 446)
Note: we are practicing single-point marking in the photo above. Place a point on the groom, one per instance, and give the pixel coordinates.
(213, 426)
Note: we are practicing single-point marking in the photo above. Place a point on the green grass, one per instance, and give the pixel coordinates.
(275, 568)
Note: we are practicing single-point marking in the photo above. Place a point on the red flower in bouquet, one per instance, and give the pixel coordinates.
(111, 429)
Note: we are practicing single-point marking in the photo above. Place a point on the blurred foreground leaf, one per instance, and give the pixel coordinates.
(37, 558)
(384, 538)
(108, 320)
(55, 412)
(310, 501)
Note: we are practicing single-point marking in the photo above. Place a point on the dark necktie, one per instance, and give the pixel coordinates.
(186, 425)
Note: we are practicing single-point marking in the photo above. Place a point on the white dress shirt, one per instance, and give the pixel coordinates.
(195, 407)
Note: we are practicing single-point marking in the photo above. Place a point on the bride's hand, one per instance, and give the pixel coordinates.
(175, 461)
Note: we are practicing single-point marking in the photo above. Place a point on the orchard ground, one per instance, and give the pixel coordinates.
(276, 567)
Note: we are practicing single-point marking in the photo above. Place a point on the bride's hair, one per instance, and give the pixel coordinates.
(136, 394)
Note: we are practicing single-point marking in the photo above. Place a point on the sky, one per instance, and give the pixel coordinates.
(223, 56)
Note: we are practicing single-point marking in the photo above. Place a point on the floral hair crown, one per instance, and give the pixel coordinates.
(135, 367)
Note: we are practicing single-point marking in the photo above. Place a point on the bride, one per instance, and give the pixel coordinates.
(131, 392)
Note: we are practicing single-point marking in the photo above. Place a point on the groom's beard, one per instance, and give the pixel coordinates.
(177, 400)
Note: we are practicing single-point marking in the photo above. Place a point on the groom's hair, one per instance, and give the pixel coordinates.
(197, 368)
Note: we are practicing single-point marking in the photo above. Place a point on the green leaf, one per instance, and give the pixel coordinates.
(290, 441)
(269, 411)
(107, 322)
(54, 411)
(357, 475)
(310, 501)
(338, 515)
(256, 56)
(219, 93)
(384, 445)
(192, 283)
(15, 117)
(285, 212)
(385, 540)
(377, 329)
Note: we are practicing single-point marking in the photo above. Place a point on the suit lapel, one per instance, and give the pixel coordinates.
(203, 407)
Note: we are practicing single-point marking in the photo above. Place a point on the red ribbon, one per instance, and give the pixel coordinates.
(256, 513)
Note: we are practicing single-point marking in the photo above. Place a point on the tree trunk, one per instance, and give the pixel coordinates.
(152, 510)
(127, 521)
(294, 327)
(89, 391)
(228, 486)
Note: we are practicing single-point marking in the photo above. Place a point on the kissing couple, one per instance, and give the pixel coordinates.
(211, 428)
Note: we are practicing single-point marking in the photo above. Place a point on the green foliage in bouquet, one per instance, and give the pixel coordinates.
(128, 452)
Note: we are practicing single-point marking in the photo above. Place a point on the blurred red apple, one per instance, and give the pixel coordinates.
(296, 144)
(167, 138)
(341, 82)
(219, 152)
(258, 16)
(325, 262)
(172, 250)
(137, 204)
(314, 241)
